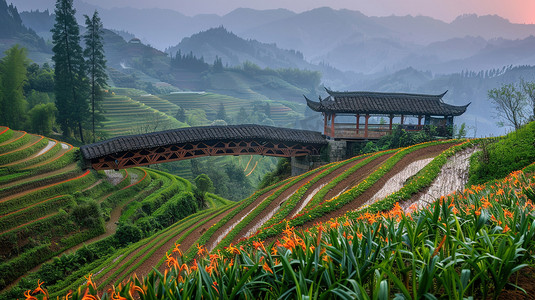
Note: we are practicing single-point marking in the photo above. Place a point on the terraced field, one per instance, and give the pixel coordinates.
(50, 206)
(282, 113)
(127, 116)
(320, 194)
(32, 200)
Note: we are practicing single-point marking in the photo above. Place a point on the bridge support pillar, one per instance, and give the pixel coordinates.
(303, 164)
(337, 150)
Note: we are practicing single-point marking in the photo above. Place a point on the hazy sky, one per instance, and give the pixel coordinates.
(517, 11)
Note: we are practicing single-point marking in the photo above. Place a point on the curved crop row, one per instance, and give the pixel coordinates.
(278, 188)
(63, 187)
(35, 211)
(338, 202)
(5, 134)
(296, 197)
(15, 143)
(33, 161)
(19, 154)
(171, 185)
(417, 183)
(55, 163)
(201, 221)
(36, 183)
(138, 249)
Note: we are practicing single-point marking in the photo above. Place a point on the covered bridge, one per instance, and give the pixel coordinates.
(370, 115)
(190, 142)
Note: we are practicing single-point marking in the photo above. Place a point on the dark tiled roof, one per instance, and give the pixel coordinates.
(386, 103)
(199, 134)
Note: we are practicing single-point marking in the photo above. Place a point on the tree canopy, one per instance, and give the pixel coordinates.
(510, 103)
(71, 85)
(96, 65)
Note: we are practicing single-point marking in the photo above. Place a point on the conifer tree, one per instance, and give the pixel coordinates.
(71, 85)
(13, 105)
(96, 65)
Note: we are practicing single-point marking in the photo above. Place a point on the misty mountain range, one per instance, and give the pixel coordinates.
(351, 50)
(344, 39)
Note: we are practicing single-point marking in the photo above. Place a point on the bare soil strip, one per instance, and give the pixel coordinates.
(452, 177)
(398, 181)
(356, 177)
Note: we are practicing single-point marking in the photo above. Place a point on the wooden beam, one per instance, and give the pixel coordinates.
(325, 116)
(358, 123)
(391, 117)
(366, 126)
(332, 125)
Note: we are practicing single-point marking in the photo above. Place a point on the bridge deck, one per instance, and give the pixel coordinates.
(191, 142)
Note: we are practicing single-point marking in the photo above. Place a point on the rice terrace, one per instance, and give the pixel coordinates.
(270, 150)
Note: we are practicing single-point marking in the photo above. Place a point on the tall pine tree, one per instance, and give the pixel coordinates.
(96, 65)
(71, 85)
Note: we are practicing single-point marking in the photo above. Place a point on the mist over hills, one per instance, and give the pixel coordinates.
(351, 50)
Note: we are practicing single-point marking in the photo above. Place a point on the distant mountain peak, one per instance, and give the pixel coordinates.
(477, 18)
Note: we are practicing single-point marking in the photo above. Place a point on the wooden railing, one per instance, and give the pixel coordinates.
(375, 131)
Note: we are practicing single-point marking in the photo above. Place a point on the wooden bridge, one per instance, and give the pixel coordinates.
(191, 142)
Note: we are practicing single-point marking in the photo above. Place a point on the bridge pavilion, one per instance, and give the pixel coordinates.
(371, 115)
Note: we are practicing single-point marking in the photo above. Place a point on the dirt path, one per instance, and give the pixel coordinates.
(115, 177)
(64, 149)
(452, 177)
(257, 222)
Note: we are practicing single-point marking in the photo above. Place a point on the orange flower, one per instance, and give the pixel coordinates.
(29, 296)
(117, 296)
(171, 261)
(177, 250)
(201, 250)
(267, 268)
(233, 250)
(359, 235)
(194, 266)
(209, 269)
(259, 244)
(39, 289)
(90, 281)
(506, 228)
(439, 247)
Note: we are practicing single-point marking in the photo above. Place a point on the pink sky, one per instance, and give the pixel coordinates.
(517, 11)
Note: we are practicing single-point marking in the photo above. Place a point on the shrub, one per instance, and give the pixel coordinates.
(128, 233)
(497, 160)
